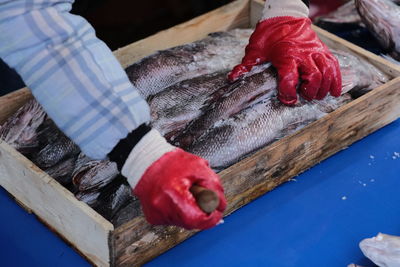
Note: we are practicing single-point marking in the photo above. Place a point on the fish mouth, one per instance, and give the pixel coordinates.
(376, 15)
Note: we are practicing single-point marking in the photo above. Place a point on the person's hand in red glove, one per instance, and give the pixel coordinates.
(285, 38)
(161, 176)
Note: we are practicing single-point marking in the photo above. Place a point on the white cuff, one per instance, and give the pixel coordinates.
(283, 8)
(149, 149)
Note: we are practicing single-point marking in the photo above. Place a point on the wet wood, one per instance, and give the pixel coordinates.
(137, 242)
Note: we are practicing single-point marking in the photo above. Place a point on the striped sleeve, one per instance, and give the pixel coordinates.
(71, 73)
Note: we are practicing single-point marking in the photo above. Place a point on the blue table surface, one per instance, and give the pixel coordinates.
(316, 220)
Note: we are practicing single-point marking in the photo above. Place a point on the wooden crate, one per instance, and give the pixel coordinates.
(136, 241)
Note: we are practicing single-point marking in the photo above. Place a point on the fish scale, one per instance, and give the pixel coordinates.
(55, 152)
(235, 126)
(20, 130)
(218, 51)
(173, 108)
(239, 95)
(232, 138)
(92, 175)
(262, 83)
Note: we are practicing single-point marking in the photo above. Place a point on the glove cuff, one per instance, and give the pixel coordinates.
(284, 8)
(124, 147)
(149, 149)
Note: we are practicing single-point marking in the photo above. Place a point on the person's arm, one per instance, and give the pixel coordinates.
(84, 89)
(285, 38)
(71, 73)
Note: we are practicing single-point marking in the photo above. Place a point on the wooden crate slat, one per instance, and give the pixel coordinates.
(52, 203)
(11, 102)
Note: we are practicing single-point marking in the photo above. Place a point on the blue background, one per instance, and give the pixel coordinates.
(317, 220)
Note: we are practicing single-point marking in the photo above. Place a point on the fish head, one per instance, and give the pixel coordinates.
(382, 16)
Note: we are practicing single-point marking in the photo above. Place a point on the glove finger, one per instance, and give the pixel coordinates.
(243, 68)
(336, 85)
(288, 78)
(311, 80)
(186, 213)
(238, 71)
(327, 75)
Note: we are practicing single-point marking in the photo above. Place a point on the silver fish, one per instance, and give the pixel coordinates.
(112, 198)
(62, 172)
(173, 108)
(261, 82)
(383, 250)
(219, 51)
(229, 139)
(382, 18)
(89, 197)
(131, 210)
(20, 130)
(82, 160)
(53, 153)
(93, 175)
(47, 132)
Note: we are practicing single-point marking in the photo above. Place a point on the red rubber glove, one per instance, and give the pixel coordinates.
(163, 188)
(296, 52)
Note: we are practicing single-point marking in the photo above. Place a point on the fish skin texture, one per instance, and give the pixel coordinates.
(382, 18)
(20, 130)
(94, 175)
(218, 51)
(233, 138)
(173, 108)
(232, 133)
(356, 75)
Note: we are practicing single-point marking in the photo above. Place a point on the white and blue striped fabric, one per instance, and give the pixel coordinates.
(74, 75)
